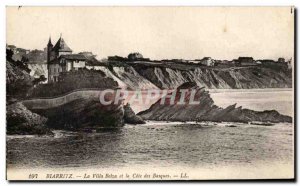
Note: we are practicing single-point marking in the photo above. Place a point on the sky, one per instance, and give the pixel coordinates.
(157, 32)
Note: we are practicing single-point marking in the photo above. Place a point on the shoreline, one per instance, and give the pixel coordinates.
(152, 123)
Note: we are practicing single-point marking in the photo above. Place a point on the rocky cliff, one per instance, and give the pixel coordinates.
(235, 78)
(130, 117)
(132, 79)
(150, 76)
(153, 76)
(20, 120)
(205, 110)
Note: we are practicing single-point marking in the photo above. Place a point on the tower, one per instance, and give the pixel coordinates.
(49, 49)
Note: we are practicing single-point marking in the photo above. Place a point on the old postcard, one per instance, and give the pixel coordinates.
(149, 93)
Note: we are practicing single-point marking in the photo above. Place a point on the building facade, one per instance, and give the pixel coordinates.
(61, 59)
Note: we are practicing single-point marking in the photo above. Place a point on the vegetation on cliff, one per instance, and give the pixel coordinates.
(19, 119)
(74, 80)
(18, 80)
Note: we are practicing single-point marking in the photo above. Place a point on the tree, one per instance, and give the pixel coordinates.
(9, 54)
(24, 59)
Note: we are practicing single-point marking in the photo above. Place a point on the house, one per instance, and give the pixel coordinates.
(19, 53)
(245, 61)
(273, 64)
(281, 60)
(224, 63)
(61, 59)
(289, 63)
(207, 61)
(87, 54)
(22, 51)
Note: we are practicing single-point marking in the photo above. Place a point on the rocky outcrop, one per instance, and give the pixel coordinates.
(130, 117)
(82, 113)
(205, 109)
(20, 120)
(71, 104)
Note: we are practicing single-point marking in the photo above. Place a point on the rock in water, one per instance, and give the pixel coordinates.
(20, 120)
(130, 117)
(80, 113)
(205, 110)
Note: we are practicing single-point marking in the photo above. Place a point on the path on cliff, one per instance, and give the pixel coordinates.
(50, 102)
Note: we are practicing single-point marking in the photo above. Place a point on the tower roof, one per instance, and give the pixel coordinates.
(61, 46)
(49, 42)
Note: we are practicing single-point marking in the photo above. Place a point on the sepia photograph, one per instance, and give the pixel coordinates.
(123, 93)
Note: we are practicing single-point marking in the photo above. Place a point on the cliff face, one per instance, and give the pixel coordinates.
(235, 78)
(140, 76)
(205, 110)
(126, 77)
(145, 76)
(132, 79)
(38, 69)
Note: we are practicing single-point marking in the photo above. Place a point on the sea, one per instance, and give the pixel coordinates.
(168, 145)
